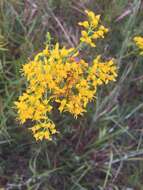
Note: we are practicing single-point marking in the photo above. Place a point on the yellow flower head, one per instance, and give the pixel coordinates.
(93, 29)
(139, 42)
(43, 130)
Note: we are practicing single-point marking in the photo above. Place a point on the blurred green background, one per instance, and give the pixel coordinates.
(102, 150)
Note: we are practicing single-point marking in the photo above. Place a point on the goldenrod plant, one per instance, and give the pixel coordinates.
(60, 76)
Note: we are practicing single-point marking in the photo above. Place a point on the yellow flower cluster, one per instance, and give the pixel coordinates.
(93, 29)
(139, 42)
(60, 78)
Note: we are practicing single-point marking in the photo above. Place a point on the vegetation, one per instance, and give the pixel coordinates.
(101, 149)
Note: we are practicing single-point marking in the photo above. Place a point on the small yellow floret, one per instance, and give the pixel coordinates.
(139, 42)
